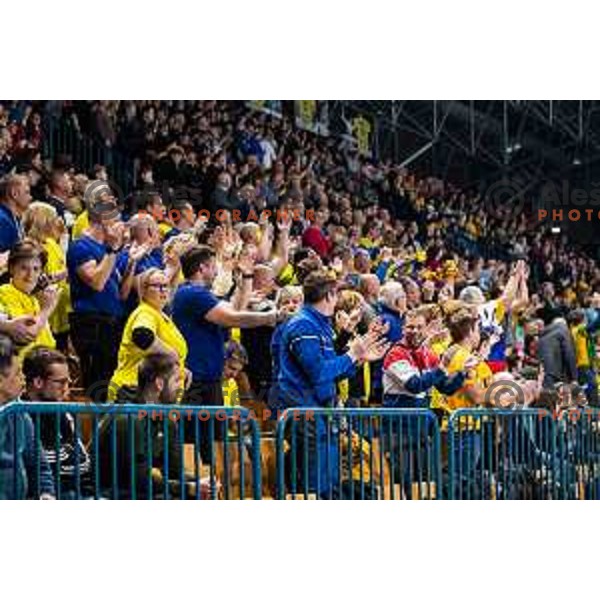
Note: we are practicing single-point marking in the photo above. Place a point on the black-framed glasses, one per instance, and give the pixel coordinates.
(60, 380)
(163, 287)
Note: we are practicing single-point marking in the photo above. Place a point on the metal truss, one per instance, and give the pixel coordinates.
(467, 140)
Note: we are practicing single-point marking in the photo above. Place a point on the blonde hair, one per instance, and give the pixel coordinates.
(40, 221)
(348, 301)
(250, 232)
(144, 278)
(287, 292)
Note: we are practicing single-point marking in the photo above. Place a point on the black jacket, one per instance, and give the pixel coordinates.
(557, 354)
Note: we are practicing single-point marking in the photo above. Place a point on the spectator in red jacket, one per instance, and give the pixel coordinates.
(315, 236)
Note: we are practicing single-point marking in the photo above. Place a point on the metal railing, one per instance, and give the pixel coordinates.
(502, 454)
(129, 451)
(138, 451)
(348, 453)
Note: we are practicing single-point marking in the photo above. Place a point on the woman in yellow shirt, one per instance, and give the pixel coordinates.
(20, 297)
(42, 224)
(464, 329)
(461, 356)
(147, 331)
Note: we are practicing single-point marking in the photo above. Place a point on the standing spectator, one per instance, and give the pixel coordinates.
(103, 124)
(315, 236)
(555, 349)
(202, 318)
(411, 370)
(148, 331)
(309, 368)
(391, 310)
(582, 332)
(60, 190)
(42, 224)
(97, 289)
(18, 298)
(14, 200)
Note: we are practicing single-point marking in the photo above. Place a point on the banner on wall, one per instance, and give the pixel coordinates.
(362, 131)
(269, 107)
(312, 115)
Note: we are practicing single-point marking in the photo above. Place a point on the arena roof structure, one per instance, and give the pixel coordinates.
(471, 140)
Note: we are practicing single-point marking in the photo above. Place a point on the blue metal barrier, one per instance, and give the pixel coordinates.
(502, 454)
(76, 451)
(356, 453)
(134, 451)
(578, 446)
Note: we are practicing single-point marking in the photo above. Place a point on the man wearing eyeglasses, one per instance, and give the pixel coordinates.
(19, 450)
(47, 380)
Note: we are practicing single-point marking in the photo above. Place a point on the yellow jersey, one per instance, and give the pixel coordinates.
(82, 222)
(131, 355)
(581, 343)
(482, 378)
(15, 303)
(231, 393)
(56, 263)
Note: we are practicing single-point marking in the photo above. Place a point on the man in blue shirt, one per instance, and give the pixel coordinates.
(203, 318)
(15, 197)
(308, 373)
(97, 291)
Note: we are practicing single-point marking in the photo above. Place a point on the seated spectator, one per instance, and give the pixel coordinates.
(159, 382)
(22, 297)
(236, 359)
(148, 331)
(47, 380)
(19, 450)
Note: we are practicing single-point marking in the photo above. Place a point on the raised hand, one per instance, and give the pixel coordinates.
(378, 327)
(367, 348)
(48, 298)
(377, 350)
(284, 224)
(348, 321)
(114, 234)
(137, 251)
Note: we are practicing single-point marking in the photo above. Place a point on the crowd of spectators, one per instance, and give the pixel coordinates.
(238, 219)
